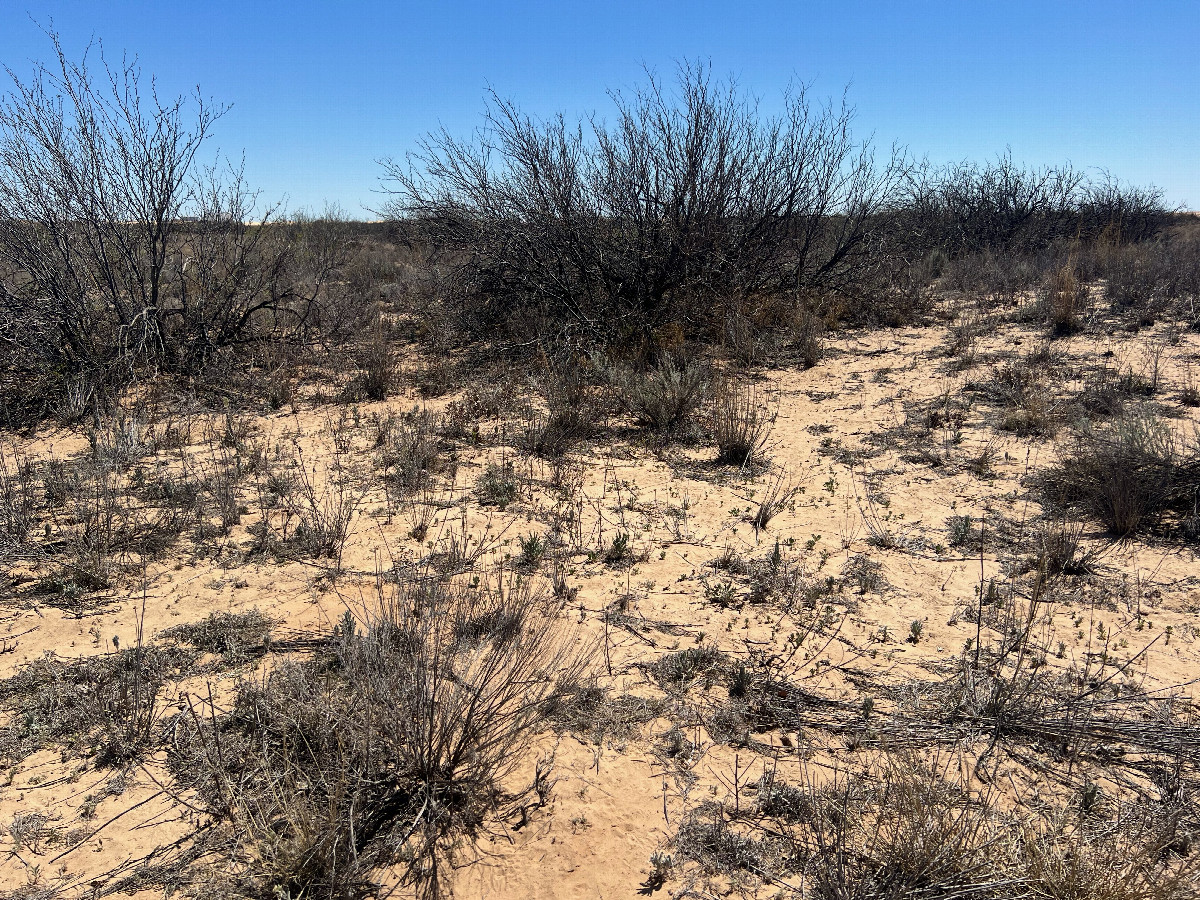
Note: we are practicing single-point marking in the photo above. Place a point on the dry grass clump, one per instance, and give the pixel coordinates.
(393, 748)
(683, 669)
(593, 713)
(741, 424)
(410, 452)
(233, 635)
(1065, 298)
(1108, 390)
(569, 417)
(320, 514)
(1130, 475)
(377, 380)
(778, 494)
(19, 500)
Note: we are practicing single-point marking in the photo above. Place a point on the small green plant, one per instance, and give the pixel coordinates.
(661, 866)
(741, 681)
(497, 486)
(620, 550)
(533, 549)
(959, 531)
(915, 630)
(722, 594)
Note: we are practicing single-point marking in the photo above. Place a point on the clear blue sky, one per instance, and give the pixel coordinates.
(320, 91)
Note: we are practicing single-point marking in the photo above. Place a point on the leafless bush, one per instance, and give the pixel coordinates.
(397, 749)
(307, 512)
(689, 199)
(1009, 210)
(98, 179)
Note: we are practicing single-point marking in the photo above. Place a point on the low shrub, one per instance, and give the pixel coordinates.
(395, 747)
(662, 397)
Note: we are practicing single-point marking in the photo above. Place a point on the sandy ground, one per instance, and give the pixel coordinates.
(837, 436)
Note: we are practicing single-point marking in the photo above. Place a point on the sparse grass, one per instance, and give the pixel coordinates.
(107, 705)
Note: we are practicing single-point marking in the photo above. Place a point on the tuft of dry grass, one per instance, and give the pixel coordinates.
(741, 424)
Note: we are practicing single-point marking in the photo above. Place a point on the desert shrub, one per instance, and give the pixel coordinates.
(661, 397)
(1145, 280)
(105, 530)
(1108, 389)
(314, 515)
(233, 635)
(1128, 474)
(683, 668)
(904, 832)
(807, 336)
(1112, 862)
(602, 232)
(596, 714)
(395, 748)
(741, 424)
(1022, 390)
(1059, 551)
(533, 549)
(570, 412)
(710, 840)
(553, 434)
